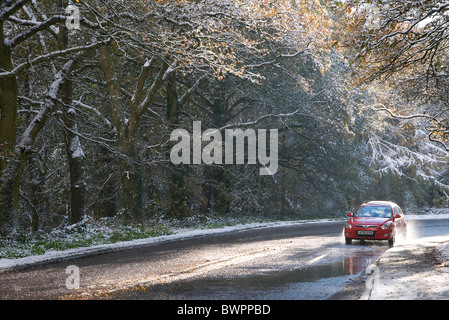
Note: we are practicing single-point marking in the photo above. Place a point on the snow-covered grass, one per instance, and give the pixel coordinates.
(425, 212)
(87, 233)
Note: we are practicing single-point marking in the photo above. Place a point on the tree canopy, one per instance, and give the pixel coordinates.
(91, 90)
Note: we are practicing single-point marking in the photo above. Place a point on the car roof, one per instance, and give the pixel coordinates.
(380, 203)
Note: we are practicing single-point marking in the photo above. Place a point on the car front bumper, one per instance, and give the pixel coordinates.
(368, 233)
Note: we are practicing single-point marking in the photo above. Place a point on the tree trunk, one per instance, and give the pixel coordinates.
(8, 105)
(75, 158)
(75, 154)
(131, 188)
(178, 192)
(130, 191)
(35, 181)
(9, 196)
(8, 131)
(216, 188)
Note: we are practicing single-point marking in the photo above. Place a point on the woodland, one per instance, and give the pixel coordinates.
(358, 91)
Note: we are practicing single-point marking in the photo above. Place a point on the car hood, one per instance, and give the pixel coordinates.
(369, 221)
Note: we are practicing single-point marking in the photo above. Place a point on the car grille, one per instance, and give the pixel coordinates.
(365, 226)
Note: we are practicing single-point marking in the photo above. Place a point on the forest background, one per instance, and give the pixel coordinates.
(88, 98)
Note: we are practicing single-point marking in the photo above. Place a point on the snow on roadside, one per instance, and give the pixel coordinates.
(8, 264)
(444, 249)
(428, 216)
(416, 270)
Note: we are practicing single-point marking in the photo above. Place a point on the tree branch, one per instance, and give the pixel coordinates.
(7, 8)
(153, 89)
(32, 31)
(276, 60)
(48, 56)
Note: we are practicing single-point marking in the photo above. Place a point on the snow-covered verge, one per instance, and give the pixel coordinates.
(417, 270)
(175, 235)
(426, 213)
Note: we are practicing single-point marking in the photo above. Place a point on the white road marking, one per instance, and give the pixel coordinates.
(317, 259)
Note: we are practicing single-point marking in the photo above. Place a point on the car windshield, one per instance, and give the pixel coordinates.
(373, 211)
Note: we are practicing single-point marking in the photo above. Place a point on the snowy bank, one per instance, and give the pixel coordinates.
(417, 270)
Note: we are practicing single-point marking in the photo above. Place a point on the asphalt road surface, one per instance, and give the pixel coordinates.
(304, 261)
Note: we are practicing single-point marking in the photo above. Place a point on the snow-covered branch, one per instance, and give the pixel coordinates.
(26, 142)
(426, 157)
(276, 60)
(404, 117)
(19, 68)
(97, 113)
(33, 30)
(9, 7)
(155, 86)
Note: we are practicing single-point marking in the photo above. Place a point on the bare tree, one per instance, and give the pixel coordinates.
(24, 23)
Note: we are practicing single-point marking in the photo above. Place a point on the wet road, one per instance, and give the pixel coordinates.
(296, 267)
(304, 261)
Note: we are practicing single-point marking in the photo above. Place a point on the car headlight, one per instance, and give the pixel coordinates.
(348, 225)
(386, 226)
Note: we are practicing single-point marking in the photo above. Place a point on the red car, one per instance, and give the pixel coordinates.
(376, 220)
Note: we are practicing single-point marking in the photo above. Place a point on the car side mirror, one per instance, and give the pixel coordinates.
(349, 214)
(397, 216)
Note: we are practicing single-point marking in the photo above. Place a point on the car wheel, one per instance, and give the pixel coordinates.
(391, 241)
(348, 240)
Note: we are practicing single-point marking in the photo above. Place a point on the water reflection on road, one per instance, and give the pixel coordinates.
(305, 271)
(317, 280)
